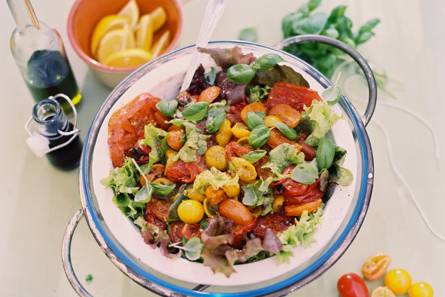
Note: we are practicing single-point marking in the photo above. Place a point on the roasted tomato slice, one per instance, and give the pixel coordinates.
(263, 172)
(296, 193)
(184, 172)
(127, 124)
(276, 138)
(234, 149)
(277, 222)
(308, 151)
(191, 230)
(175, 231)
(293, 95)
(234, 114)
(156, 212)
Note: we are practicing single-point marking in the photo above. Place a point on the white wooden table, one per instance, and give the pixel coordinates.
(37, 200)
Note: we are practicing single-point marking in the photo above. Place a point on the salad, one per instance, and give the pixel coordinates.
(236, 169)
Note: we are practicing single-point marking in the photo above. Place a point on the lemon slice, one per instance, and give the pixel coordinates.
(131, 12)
(159, 16)
(160, 44)
(128, 58)
(105, 25)
(144, 32)
(115, 41)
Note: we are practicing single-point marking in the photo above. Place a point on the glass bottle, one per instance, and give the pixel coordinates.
(54, 135)
(40, 55)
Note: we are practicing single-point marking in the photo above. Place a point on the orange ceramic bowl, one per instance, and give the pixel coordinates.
(84, 16)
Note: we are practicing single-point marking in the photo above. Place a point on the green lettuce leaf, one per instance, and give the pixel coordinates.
(195, 144)
(305, 173)
(155, 139)
(321, 116)
(123, 179)
(282, 156)
(215, 178)
(300, 233)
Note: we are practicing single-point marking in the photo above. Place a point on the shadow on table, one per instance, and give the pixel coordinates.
(94, 94)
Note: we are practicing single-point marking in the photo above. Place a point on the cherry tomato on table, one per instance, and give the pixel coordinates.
(352, 285)
(398, 280)
(421, 289)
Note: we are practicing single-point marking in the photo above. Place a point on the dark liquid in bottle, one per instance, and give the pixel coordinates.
(49, 73)
(68, 157)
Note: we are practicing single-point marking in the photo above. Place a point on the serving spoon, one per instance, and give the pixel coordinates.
(213, 13)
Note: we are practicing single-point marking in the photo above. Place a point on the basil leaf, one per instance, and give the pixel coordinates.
(240, 73)
(324, 179)
(144, 194)
(248, 34)
(167, 107)
(215, 119)
(254, 156)
(313, 24)
(266, 62)
(259, 136)
(173, 209)
(254, 119)
(162, 190)
(286, 130)
(325, 153)
(195, 111)
(210, 76)
(193, 248)
(280, 73)
(340, 175)
(305, 173)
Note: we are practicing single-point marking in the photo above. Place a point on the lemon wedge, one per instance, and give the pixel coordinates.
(128, 58)
(105, 25)
(115, 41)
(159, 16)
(131, 12)
(144, 32)
(160, 44)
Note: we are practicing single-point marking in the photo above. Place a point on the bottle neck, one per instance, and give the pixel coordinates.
(49, 118)
(23, 13)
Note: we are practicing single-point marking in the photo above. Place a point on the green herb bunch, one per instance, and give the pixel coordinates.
(336, 25)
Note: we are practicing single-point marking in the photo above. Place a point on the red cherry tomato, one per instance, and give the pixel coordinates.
(352, 285)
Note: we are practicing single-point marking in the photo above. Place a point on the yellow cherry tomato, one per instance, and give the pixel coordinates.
(277, 204)
(190, 211)
(195, 195)
(245, 170)
(271, 120)
(421, 289)
(231, 190)
(240, 130)
(215, 156)
(382, 292)
(224, 133)
(398, 281)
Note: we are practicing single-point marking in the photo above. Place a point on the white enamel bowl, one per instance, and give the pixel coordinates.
(122, 242)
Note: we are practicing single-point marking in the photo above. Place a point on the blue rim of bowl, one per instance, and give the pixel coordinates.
(311, 272)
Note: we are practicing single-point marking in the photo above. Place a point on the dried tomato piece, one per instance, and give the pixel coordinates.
(234, 149)
(234, 114)
(296, 193)
(293, 95)
(126, 125)
(184, 172)
(239, 233)
(191, 230)
(277, 222)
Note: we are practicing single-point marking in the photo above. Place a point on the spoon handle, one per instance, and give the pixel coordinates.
(213, 13)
